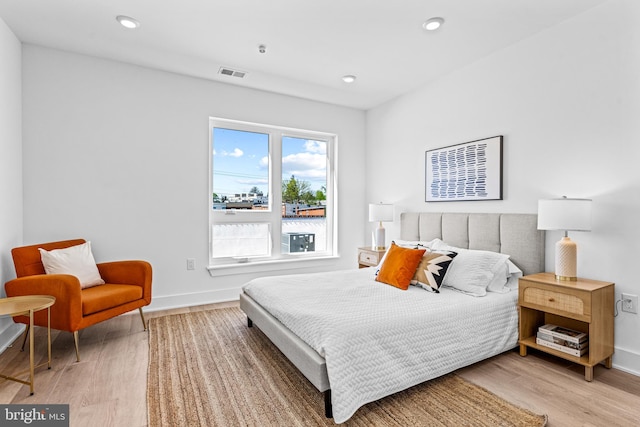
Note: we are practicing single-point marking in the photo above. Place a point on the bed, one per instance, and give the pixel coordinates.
(346, 334)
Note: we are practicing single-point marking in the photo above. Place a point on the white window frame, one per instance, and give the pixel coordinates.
(273, 215)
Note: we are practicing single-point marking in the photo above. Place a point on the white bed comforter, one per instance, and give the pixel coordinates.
(377, 339)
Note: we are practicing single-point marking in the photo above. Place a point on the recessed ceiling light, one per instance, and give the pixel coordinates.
(349, 78)
(127, 22)
(432, 24)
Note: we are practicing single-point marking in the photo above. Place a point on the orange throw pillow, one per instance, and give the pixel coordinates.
(399, 266)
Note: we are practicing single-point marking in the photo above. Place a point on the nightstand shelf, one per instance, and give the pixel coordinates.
(531, 342)
(583, 305)
(368, 257)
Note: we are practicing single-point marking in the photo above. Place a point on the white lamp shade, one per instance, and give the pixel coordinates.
(380, 212)
(564, 214)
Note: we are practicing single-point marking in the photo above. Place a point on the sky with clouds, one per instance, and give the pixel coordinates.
(241, 161)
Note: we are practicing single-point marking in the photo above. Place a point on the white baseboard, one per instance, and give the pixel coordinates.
(189, 300)
(627, 361)
(9, 335)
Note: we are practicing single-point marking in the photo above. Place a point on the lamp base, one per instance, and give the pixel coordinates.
(566, 260)
(379, 242)
(566, 279)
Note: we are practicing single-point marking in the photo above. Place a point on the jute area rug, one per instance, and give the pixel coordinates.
(209, 369)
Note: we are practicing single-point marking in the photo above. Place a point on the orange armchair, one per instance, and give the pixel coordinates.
(127, 287)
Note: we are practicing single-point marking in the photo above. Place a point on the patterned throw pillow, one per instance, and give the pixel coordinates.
(432, 269)
(399, 266)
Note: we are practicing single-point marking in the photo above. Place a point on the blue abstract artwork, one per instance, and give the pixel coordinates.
(468, 171)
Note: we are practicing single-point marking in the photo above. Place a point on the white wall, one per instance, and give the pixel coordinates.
(10, 163)
(118, 154)
(567, 102)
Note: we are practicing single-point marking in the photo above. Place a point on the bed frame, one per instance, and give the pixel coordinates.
(513, 234)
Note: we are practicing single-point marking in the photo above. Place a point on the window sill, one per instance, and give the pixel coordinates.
(271, 265)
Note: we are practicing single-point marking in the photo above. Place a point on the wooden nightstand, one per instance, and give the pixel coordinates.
(583, 305)
(368, 257)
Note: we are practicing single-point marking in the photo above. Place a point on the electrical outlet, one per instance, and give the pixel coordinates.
(191, 264)
(630, 303)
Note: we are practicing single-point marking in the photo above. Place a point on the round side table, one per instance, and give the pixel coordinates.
(27, 305)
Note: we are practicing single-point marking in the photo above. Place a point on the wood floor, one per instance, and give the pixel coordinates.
(108, 386)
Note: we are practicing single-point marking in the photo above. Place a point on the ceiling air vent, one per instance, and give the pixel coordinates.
(229, 72)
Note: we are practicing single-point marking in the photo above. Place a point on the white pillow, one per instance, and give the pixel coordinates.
(514, 275)
(75, 260)
(472, 271)
(502, 283)
(499, 281)
(513, 269)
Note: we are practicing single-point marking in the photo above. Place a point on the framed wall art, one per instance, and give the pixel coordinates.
(468, 171)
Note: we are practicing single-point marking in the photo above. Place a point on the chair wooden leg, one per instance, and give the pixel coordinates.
(26, 335)
(75, 340)
(144, 323)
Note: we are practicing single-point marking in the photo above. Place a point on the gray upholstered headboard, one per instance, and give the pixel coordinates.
(514, 234)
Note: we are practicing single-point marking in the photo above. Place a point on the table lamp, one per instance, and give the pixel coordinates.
(378, 213)
(567, 215)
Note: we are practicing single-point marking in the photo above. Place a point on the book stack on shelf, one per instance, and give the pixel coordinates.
(566, 340)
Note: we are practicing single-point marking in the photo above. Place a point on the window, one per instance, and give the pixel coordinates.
(272, 193)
